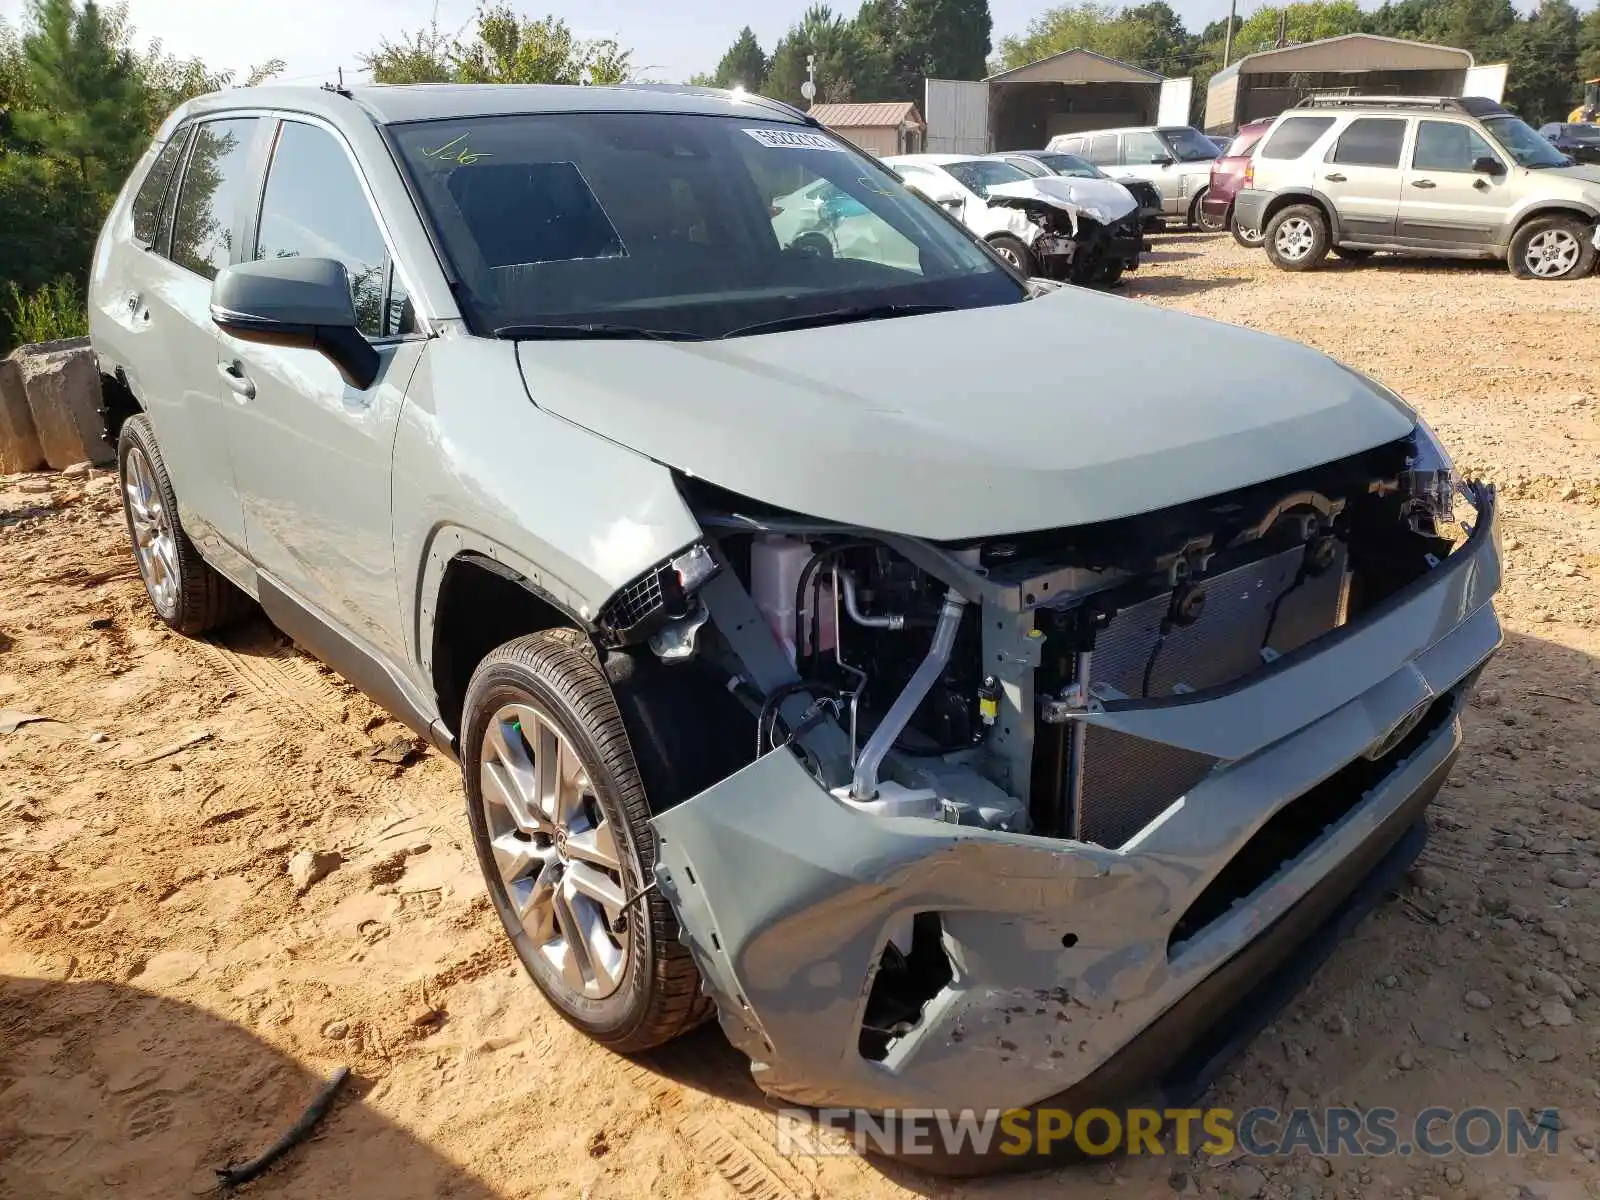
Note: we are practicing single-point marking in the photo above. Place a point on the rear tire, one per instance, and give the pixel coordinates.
(1250, 239)
(1014, 252)
(618, 973)
(186, 591)
(1297, 238)
(1552, 249)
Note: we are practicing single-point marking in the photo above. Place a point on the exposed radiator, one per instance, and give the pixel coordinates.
(1123, 782)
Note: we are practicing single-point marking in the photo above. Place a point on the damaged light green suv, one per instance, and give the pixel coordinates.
(963, 742)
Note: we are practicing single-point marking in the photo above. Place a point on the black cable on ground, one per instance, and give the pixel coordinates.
(228, 1177)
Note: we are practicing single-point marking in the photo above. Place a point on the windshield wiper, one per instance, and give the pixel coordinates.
(551, 333)
(839, 316)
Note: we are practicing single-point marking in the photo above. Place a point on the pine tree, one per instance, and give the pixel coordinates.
(1543, 75)
(947, 39)
(744, 65)
(86, 101)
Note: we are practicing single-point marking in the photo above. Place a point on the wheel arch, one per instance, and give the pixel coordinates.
(1284, 199)
(479, 597)
(1554, 208)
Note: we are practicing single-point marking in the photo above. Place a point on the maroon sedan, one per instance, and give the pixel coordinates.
(1227, 176)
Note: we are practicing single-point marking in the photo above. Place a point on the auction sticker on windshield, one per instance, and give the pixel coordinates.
(793, 139)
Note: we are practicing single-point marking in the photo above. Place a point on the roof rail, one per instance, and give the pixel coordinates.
(1442, 103)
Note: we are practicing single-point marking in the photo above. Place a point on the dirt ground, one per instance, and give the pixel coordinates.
(169, 1002)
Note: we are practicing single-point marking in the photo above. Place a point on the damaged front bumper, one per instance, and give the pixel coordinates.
(1079, 975)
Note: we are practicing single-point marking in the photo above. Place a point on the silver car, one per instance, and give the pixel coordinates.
(964, 741)
(1175, 158)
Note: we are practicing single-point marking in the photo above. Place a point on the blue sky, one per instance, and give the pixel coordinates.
(671, 40)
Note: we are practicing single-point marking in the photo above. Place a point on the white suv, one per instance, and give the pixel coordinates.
(1459, 178)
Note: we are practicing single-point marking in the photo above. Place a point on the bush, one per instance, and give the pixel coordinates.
(50, 314)
(48, 222)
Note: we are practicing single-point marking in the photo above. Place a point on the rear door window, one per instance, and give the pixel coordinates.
(215, 179)
(1370, 142)
(152, 195)
(1295, 136)
(314, 206)
(1103, 151)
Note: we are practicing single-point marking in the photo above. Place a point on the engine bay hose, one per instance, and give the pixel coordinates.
(865, 784)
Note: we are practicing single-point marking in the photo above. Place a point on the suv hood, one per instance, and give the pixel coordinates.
(1072, 408)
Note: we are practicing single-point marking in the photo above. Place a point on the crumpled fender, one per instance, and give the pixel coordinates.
(1092, 198)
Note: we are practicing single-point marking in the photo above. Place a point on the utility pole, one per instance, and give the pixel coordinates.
(1227, 41)
(1283, 28)
(808, 89)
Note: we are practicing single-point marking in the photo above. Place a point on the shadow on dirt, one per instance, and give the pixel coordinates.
(109, 1090)
(1171, 286)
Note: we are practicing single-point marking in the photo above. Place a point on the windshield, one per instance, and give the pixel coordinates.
(1072, 166)
(679, 224)
(1188, 145)
(979, 175)
(1523, 144)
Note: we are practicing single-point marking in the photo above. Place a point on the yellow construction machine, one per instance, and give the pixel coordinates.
(1589, 110)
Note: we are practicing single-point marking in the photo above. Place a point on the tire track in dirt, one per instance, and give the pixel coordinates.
(285, 680)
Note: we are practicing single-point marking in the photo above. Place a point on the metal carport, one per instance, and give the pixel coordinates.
(1265, 83)
(1023, 108)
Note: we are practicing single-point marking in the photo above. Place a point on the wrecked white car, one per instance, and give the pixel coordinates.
(1065, 229)
(963, 740)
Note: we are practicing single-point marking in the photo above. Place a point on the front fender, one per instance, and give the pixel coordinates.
(479, 468)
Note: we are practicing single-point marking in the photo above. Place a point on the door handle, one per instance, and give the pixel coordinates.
(1423, 183)
(1334, 178)
(1481, 184)
(241, 384)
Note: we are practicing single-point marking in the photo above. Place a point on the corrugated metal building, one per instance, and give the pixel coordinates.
(1023, 108)
(890, 127)
(1265, 83)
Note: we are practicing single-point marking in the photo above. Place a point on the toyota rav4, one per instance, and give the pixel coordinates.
(963, 737)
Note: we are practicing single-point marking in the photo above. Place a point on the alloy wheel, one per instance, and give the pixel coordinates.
(1010, 255)
(1551, 253)
(155, 545)
(555, 850)
(1295, 238)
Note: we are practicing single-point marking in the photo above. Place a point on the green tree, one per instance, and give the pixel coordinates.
(1086, 24)
(504, 48)
(86, 103)
(1542, 80)
(848, 66)
(1303, 22)
(1485, 27)
(744, 65)
(946, 39)
(1589, 45)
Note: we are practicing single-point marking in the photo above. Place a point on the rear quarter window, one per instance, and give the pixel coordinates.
(152, 194)
(1295, 136)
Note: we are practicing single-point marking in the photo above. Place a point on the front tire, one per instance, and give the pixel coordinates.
(1197, 218)
(1297, 238)
(185, 590)
(1014, 252)
(1552, 249)
(562, 828)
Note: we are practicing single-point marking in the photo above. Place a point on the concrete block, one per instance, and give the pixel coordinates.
(63, 385)
(19, 441)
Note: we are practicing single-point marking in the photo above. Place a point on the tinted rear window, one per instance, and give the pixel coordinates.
(1243, 143)
(1295, 136)
(1370, 142)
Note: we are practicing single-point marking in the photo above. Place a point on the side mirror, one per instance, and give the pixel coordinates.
(953, 203)
(303, 303)
(1161, 160)
(1489, 166)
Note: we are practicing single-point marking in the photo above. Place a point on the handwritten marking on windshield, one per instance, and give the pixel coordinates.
(454, 151)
